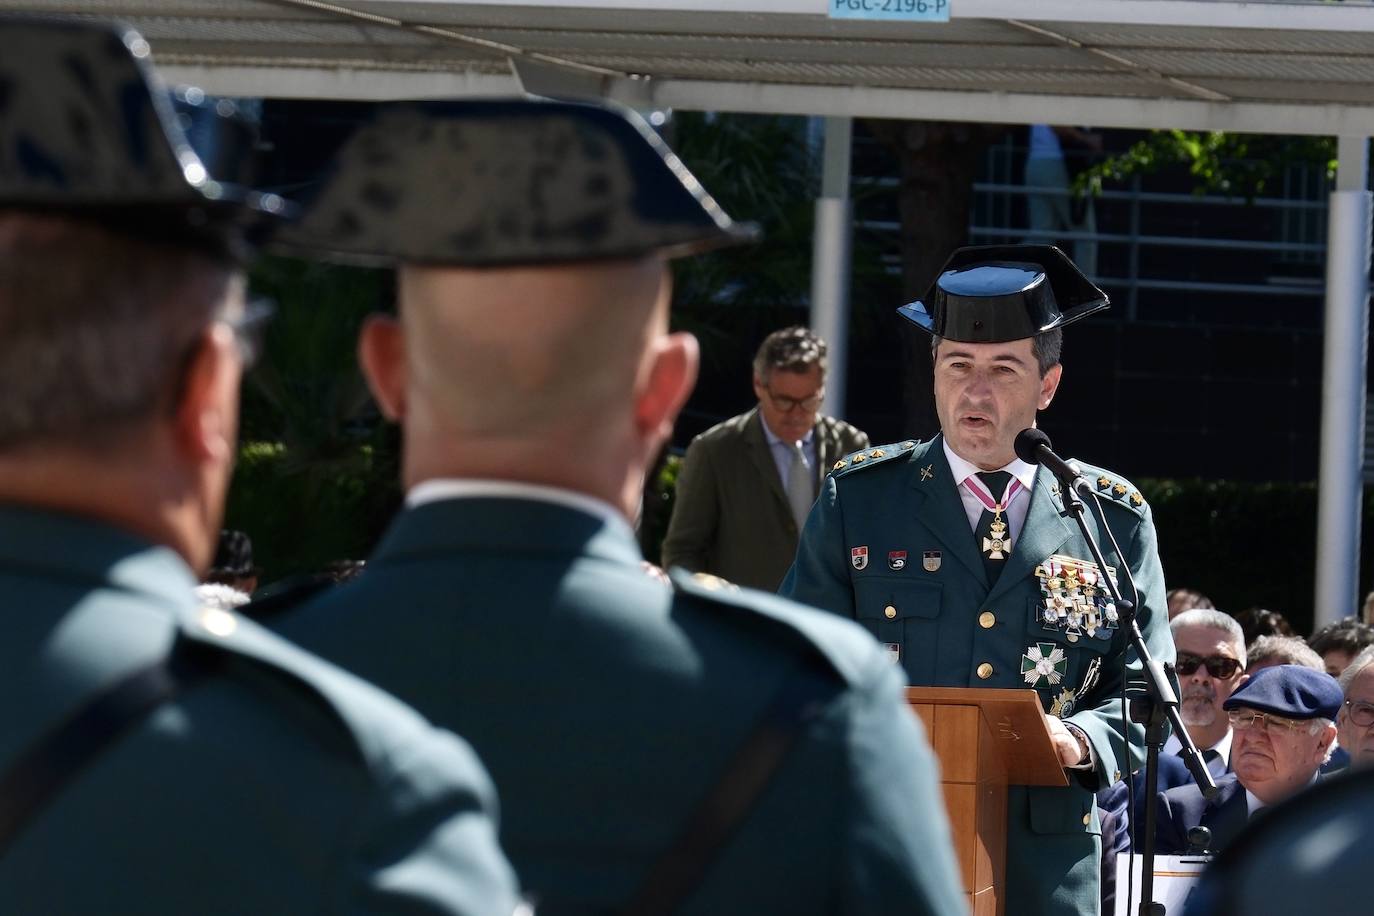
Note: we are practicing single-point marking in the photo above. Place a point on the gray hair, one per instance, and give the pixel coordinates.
(1287, 650)
(794, 349)
(1216, 620)
(1048, 348)
(1357, 664)
(95, 326)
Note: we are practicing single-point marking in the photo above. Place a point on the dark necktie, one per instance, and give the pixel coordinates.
(992, 537)
(1212, 757)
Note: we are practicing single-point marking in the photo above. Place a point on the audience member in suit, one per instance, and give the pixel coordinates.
(747, 484)
(1282, 724)
(1211, 664)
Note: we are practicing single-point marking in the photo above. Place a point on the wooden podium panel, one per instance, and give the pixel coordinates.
(985, 741)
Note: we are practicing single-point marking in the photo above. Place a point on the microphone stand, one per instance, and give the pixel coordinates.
(1149, 710)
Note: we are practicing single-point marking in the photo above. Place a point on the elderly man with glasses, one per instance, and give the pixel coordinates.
(1355, 724)
(747, 484)
(1282, 731)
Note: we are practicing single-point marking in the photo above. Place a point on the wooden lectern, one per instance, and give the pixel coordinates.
(985, 741)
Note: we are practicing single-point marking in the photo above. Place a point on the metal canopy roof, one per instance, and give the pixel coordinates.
(1273, 67)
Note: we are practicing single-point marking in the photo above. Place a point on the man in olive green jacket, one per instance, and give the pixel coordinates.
(747, 484)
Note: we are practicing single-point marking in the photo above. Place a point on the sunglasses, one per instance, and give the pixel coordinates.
(1218, 666)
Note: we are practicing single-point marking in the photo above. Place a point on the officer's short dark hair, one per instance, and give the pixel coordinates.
(96, 327)
(1047, 348)
(794, 349)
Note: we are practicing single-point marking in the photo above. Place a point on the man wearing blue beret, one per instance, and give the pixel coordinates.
(1283, 724)
(953, 553)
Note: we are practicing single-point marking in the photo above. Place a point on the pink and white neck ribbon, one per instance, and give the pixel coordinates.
(980, 490)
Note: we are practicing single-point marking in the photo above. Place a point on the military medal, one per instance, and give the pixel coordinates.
(930, 560)
(1044, 665)
(1063, 704)
(1074, 599)
(998, 544)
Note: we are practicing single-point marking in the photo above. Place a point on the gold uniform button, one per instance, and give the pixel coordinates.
(985, 671)
(987, 619)
(889, 612)
(1087, 819)
(1073, 637)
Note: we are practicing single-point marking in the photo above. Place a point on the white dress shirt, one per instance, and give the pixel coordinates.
(1016, 509)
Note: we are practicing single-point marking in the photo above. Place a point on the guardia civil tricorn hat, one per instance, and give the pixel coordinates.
(88, 129)
(997, 293)
(507, 182)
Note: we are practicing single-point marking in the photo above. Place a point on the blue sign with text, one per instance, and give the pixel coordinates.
(907, 10)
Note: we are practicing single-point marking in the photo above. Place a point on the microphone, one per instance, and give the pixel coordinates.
(1033, 447)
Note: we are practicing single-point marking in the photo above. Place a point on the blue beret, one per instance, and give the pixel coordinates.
(1292, 691)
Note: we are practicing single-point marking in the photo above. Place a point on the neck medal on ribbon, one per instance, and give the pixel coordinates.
(1074, 598)
(998, 544)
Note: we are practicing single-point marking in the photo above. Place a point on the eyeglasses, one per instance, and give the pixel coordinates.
(1218, 666)
(1243, 719)
(1360, 712)
(787, 405)
(249, 326)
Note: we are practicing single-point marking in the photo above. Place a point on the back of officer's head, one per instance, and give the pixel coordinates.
(533, 300)
(96, 329)
(117, 255)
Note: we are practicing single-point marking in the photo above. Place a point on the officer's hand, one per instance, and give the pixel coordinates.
(1065, 744)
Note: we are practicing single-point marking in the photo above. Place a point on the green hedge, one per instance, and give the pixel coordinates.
(302, 516)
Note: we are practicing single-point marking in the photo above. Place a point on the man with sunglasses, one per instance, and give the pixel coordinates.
(159, 756)
(1210, 666)
(747, 484)
(1282, 732)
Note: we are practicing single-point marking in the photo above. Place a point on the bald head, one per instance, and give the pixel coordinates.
(525, 353)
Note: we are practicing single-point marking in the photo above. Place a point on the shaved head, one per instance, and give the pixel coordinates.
(526, 353)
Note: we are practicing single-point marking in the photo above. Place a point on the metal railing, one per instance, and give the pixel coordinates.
(1301, 220)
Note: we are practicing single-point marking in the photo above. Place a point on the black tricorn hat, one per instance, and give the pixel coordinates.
(87, 128)
(996, 293)
(506, 182)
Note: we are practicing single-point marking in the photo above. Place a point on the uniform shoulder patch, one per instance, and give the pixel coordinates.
(872, 456)
(839, 644)
(1113, 488)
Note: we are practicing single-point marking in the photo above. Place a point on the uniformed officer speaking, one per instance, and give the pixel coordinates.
(157, 757)
(954, 555)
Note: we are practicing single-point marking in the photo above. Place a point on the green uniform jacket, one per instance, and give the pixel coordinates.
(951, 629)
(278, 785)
(731, 517)
(607, 702)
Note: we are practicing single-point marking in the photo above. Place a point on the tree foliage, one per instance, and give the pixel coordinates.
(1237, 165)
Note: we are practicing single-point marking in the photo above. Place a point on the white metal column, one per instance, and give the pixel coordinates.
(830, 261)
(1344, 360)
